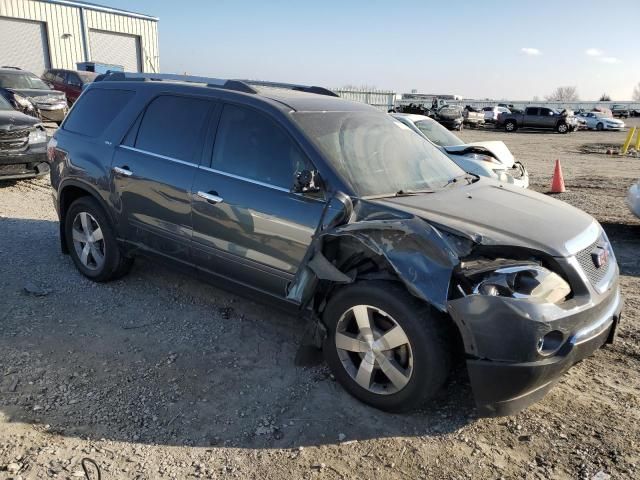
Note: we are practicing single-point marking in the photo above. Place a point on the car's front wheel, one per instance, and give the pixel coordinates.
(384, 346)
(562, 128)
(599, 126)
(92, 242)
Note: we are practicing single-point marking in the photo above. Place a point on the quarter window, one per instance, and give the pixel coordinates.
(171, 126)
(95, 111)
(251, 145)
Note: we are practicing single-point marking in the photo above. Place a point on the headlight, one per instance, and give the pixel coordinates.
(38, 135)
(24, 102)
(526, 281)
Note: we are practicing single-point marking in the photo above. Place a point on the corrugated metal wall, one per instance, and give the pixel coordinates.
(65, 36)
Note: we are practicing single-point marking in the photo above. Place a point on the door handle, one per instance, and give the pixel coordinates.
(122, 171)
(210, 197)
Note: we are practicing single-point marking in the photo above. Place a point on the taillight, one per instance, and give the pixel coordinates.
(51, 149)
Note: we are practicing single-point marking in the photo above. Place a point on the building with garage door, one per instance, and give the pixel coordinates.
(36, 35)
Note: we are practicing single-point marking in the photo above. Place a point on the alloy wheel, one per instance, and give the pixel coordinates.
(374, 350)
(88, 241)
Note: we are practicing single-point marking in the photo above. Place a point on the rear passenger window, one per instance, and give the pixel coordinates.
(251, 145)
(171, 126)
(95, 111)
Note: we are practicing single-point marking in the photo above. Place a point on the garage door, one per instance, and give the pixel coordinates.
(23, 44)
(115, 49)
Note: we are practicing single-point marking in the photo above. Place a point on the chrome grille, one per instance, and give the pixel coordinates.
(13, 140)
(585, 259)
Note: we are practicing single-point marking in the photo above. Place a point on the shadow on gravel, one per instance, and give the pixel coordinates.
(160, 358)
(625, 239)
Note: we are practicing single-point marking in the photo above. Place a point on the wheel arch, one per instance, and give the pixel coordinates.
(69, 192)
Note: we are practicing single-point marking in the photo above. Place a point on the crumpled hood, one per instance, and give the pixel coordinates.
(40, 95)
(498, 149)
(14, 120)
(503, 215)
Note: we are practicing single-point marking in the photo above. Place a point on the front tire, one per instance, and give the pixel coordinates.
(562, 128)
(599, 127)
(92, 242)
(385, 347)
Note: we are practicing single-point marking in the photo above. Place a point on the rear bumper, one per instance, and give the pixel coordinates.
(504, 388)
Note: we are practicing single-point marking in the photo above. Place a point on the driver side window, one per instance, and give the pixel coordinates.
(251, 145)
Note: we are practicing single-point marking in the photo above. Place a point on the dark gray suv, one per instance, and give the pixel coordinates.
(336, 209)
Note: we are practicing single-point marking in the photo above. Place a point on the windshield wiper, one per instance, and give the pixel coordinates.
(468, 177)
(406, 193)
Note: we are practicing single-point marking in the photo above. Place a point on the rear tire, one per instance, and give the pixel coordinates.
(416, 356)
(510, 126)
(92, 242)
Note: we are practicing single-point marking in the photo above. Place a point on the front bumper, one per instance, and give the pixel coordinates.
(451, 124)
(501, 336)
(29, 164)
(52, 114)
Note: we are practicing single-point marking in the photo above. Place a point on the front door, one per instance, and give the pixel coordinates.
(248, 225)
(153, 171)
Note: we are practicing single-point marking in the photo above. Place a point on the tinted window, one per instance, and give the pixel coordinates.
(95, 111)
(251, 145)
(545, 111)
(531, 111)
(171, 126)
(73, 79)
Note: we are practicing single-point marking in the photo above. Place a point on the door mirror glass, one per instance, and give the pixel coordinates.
(306, 181)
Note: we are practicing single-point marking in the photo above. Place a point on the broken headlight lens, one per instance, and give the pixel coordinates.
(531, 282)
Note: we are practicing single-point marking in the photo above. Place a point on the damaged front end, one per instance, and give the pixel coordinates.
(524, 317)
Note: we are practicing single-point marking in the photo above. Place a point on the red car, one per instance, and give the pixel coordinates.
(68, 81)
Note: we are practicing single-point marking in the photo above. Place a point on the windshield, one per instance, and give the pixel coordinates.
(376, 154)
(437, 133)
(22, 80)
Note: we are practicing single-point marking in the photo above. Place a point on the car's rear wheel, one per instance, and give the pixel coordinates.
(92, 242)
(384, 346)
(599, 126)
(562, 128)
(510, 126)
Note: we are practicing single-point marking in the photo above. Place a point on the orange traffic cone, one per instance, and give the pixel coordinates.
(557, 183)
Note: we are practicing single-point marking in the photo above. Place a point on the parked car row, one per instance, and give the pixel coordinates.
(356, 217)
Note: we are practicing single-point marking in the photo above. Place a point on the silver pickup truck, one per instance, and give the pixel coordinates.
(539, 118)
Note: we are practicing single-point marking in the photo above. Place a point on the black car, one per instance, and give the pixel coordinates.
(29, 94)
(620, 111)
(23, 144)
(394, 254)
(450, 116)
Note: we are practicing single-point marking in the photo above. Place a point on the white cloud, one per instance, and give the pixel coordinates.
(594, 52)
(530, 51)
(609, 59)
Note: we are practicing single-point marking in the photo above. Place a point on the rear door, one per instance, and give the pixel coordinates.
(530, 118)
(248, 225)
(153, 170)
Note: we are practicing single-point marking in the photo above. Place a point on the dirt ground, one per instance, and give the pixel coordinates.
(159, 376)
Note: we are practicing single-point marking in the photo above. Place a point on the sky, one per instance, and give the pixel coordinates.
(477, 49)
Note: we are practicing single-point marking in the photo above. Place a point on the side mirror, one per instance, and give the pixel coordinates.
(306, 181)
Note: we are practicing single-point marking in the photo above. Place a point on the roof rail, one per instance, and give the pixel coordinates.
(292, 86)
(237, 85)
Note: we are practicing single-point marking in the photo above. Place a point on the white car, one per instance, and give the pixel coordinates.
(491, 113)
(488, 159)
(600, 121)
(633, 199)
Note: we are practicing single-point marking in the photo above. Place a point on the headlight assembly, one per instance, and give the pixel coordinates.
(23, 102)
(531, 282)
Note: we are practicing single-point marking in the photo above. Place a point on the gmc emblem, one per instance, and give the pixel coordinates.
(600, 257)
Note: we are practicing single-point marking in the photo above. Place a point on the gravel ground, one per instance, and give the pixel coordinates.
(160, 376)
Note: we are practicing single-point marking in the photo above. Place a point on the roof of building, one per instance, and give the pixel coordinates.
(102, 8)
